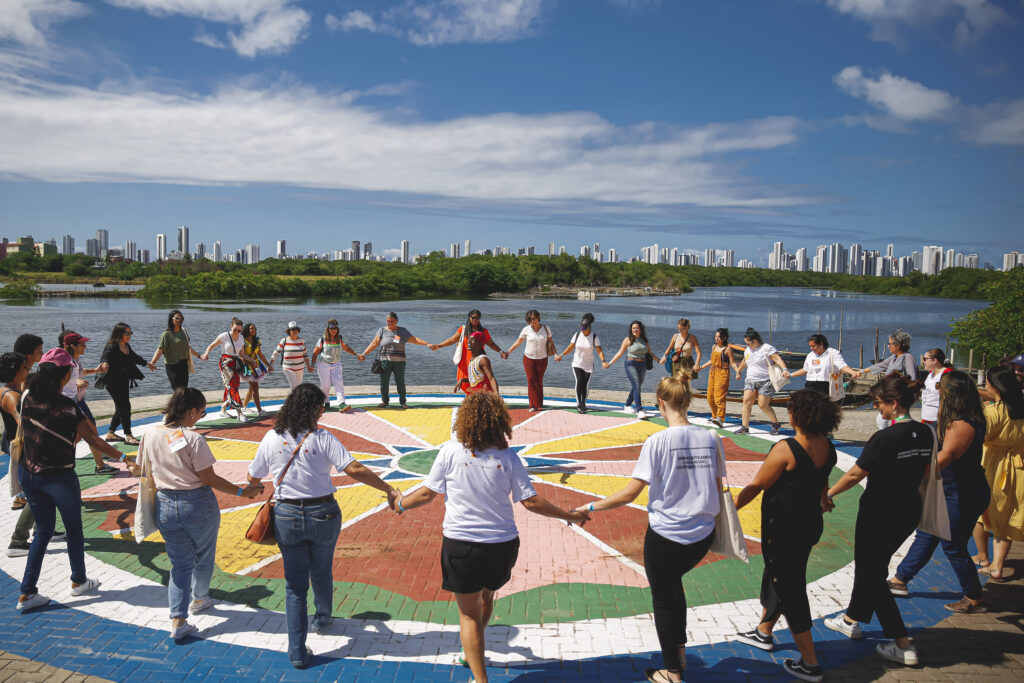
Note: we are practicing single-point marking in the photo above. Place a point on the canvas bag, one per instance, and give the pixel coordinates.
(836, 390)
(261, 530)
(191, 361)
(729, 540)
(457, 356)
(144, 522)
(775, 376)
(17, 444)
(934, 513)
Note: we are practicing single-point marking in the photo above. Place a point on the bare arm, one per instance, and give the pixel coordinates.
(624, 496)
(850, 478)
(420, 496)
(215, 481)
(779, 458)
(696, 347)
(542, 506)
(955, 443)
(515, 345)
(454, 338)
(156, 356)
(87, 433)
(668, 349)
(364, 475)
(622, 350)
(417, 340)
(373, 345)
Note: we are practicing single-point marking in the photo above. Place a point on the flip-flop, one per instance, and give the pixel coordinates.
(658, 676)
(987, 572)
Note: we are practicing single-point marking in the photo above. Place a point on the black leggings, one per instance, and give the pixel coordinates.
(665, 562)
(177, 374)
(582, 385)
(122, 408)
(784, 581)
(879, 534)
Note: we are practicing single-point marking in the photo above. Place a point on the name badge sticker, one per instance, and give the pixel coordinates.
(176, 440)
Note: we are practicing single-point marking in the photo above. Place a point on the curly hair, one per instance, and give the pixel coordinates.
(183, 400)
(959, 401)
(813, 412)
(896, 387)
(11, 364)
(901, 339)
(301, 410)
(483, 422)
(643, 332)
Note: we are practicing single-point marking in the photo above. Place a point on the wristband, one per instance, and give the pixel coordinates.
(124, 456)
(590, 508)
(240, 492)
(400, 507)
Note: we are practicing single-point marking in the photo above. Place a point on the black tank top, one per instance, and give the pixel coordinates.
(797, 492)
(10, 424)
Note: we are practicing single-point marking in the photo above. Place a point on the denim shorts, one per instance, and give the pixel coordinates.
(764, 388)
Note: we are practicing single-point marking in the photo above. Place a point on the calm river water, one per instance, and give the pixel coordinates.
(795, 314)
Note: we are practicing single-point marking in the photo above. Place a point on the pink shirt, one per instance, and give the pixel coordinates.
(175, 456)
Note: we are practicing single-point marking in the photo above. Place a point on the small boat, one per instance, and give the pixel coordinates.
(98, 284)
(736, 396)
(793, 359)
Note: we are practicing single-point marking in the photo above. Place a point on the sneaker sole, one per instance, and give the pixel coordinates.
(852, 636)
(802, 676)
(767, 647)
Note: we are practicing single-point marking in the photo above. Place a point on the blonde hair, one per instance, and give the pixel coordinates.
(675, 393)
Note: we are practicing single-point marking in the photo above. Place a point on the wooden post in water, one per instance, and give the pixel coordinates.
(819, 325)
(861, 356)
(876, 346)
(970, 360)
(769, 325)
(952, 353)
(841, 329)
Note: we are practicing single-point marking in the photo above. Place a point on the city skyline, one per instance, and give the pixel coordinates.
(616, 122)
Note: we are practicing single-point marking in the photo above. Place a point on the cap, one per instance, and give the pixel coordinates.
(1019, 360)
(74, 338)
(58, 357)
(293, 325)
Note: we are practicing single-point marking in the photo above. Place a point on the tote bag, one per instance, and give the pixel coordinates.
(934, 514)
(144, 522)
(457, 356)
(836, 390)
(17, 444)
(775, 376)
(729, 540)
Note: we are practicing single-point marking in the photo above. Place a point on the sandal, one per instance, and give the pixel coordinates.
(979, 563)
(112, 437)
(131, 441)
(987, 571)
(659, 676)
(18, 503)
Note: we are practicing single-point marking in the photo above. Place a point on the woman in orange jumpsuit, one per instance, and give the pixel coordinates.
(718, 377)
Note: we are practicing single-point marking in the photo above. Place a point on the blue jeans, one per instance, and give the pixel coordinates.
(47, 493)
(636, 370)
(188, 521)
(307, 536)
(965, 504)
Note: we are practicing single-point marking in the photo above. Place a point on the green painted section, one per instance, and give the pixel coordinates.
(722, 581)
(418, 462)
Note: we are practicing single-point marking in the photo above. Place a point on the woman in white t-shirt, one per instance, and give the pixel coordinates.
(187, 513)
(682, 466)
(481, 479)
(535, 357)
(584, 344)
(231, 345)
(935, 363)
(758, 385)
(821, 365)
(75, 389)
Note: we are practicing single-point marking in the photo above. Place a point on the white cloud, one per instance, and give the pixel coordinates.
(302, 137)
(265, 25)
(886, 17)
(439, 22)
(996, 124)
(26, 21)
(899, 97)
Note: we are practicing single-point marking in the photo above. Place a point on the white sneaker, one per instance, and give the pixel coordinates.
(629, 409)
(839, 624)
(17, 552)
(200, 605)
(90, 584)
(37, 600)
(641, 415)
(223, 414)
(241, 415)
(894, 653)
(185, 629)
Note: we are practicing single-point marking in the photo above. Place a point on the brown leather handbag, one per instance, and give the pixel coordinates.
(262, 528)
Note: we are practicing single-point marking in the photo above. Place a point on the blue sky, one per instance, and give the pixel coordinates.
(725, 124)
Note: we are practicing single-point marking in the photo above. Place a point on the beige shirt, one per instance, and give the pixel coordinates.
(175, 455)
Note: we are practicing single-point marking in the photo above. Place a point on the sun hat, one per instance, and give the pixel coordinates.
(58, 357)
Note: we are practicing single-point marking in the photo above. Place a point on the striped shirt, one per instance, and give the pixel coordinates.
(293, 353)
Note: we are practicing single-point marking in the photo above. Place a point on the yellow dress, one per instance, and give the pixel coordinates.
(1003, 460)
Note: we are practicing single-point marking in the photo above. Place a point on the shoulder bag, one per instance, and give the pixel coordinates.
(729, 540)
(934, 513)
(375, 367)
(262, 528)
(549, 345)
(457, 356)
(17, 445)
(191, 360)
(836, 390)
(144, 521)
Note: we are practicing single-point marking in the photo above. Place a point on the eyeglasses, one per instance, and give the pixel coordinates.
(332, 327)
(927, 357)
(474, 317)
(177, 317)
(128, 333)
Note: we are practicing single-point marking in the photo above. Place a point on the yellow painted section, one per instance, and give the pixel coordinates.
(623, 435)
(595, 484)
(232, 450)
(234, 553)
(433, 425)
(359, 499)
(750, 515)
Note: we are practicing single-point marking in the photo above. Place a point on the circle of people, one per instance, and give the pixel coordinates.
(971, 437)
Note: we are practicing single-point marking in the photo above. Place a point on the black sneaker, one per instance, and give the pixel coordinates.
(756, 639)
(804, 672)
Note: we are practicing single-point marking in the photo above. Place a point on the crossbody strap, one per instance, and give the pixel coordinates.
(277, 484)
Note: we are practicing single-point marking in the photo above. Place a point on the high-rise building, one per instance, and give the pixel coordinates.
(584, 251)
(971, 261)
(405, 251)
(531, 250)
(466, 248)
(252, 253)
(200, 251)
(144, 255)
(356, 249)
(131, 250)
(561, 250)
(949, 259)
(730, 258)
(368, 250)
(800, 260)
(890, 251)
(820, 262)
(282, 250)
(856, 258)
(777, 260)
(453, 250)
(837, 258)
(103, 237)
(67, 245)
(183, 245)
(161, 247)
(613, 256)
(92, 247)
(1010, 260)
(915, 260)
(551, 248)
(673, 257)
(217, 254)
(710, 258)
(931, 262)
